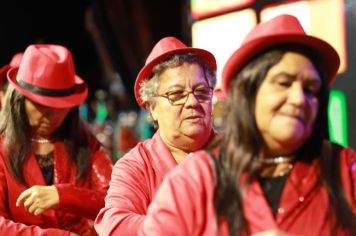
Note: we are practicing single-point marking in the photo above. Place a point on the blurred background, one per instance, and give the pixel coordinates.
(110, 40)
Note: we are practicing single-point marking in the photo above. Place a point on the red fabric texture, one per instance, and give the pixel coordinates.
(134, 182)
(184, 203)
(79, 202)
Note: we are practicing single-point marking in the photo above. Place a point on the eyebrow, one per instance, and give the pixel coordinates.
(178, 86)
(310, 80)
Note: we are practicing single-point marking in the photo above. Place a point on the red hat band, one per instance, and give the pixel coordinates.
(47, 69)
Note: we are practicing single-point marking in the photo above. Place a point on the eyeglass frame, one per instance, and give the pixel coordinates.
(166, 95)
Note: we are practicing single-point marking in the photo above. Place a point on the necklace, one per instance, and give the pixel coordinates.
(283, 173)
(41, 140)
(271, 171)
(275, 160)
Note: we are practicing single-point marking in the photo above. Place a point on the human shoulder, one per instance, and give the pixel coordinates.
(198, 159)
(348, 151)
(137, 154)
(347, 162)
(198, 167)
(348, 156)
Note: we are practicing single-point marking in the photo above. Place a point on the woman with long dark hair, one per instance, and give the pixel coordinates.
(53, 172)
(272, 172)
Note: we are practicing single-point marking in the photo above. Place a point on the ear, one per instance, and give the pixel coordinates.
(153, 112)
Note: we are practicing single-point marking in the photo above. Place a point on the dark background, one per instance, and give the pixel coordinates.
(110, 40)
(106, 37)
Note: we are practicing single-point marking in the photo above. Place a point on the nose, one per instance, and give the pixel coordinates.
(191, 100)
(297, 94)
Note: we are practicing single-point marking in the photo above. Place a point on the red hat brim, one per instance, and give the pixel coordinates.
(328, 56)
(3, 72)
(146, 71)
(75, 99)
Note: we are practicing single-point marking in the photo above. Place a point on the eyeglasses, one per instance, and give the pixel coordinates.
(180, 97)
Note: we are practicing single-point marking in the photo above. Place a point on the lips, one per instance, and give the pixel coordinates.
(193, 117)
(298, 117)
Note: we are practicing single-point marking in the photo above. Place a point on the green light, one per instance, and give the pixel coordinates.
(101, 112)
(337, 117)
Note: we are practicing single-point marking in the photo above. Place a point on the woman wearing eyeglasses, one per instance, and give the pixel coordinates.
(175, 86)
(273, 172)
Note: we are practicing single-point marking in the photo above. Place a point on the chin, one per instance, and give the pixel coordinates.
(291, 143)
(199, 130)
(193, 134)
(45, 132)
(197, 134)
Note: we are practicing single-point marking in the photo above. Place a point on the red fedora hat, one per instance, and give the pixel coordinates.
(283, 29)
(16, 59)
(15, 62)
(46, 76)
(165, 48)
(3, 72)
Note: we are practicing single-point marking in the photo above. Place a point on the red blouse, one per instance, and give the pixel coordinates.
(79, 202)
(134, 181)
(184, 203)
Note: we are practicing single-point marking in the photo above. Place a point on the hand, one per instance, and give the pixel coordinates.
(73, 234)
(272, 232)
(38, 199)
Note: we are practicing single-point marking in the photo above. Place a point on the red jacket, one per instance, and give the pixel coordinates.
(134, 181)
(78, 202)
(136, 178)
(184, 203)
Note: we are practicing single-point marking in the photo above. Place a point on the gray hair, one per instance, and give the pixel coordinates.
(149, 87)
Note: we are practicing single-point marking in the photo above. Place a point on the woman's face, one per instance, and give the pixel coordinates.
(287, 104)
(44, 120)
(190, 121)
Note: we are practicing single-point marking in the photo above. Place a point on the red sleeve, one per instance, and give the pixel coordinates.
(127, 199)
(183, 203)
(3, 189)
(348, 175)
(9, 227)
(88, 201)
